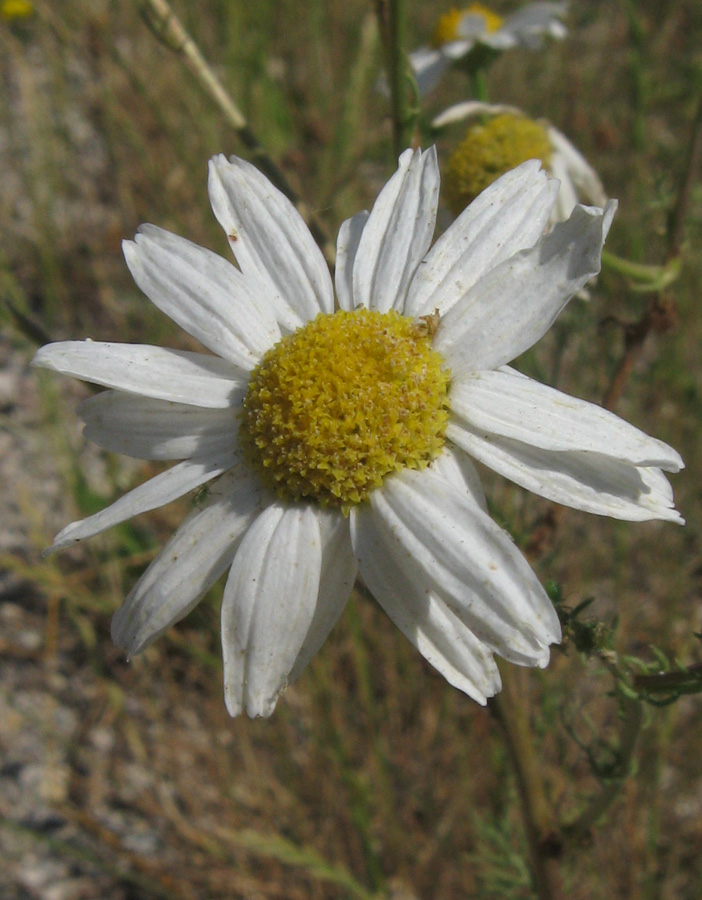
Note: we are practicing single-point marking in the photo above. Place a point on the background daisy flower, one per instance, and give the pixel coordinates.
(337, 435)
(458, 31)
(499, 138)
(15, 9)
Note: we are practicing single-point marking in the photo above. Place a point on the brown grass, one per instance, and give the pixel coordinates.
(127, 780)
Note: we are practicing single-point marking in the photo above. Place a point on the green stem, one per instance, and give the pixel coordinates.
(687, 680)
(512, 713)
(638, 74)
(359, 798)
(392, 20)
(661, 313)
(480, 88)
(632, 714)
(676, 222)
(649, 276)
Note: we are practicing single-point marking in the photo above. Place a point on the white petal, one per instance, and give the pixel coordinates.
(269, 605)
(506, 217)
(456, 468)
(190, 563)
(471, 109)
(176, 375)
(428, 66)
(500, 40)
(346, 249)
(567, 195)
(455, 549)
(398, 233)
(499, 403)
(270, 241)
(336, 582)
(509, 309)
(591, 482)
(528, 25)
(472, 25)
(583, 176)
(157, 429)
(423, 618)
(159, 490)
(458, 49)
(203, 293)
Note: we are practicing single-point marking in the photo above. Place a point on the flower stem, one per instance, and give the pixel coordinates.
(661, 313)
(644, 277)
(676, 222)
(511, 711)
(480, 88)
(360, 799)
(639, 87)
(392, 21)
(632, 716)
(171, 31)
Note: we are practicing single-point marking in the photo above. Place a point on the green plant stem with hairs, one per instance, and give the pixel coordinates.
(632, 715)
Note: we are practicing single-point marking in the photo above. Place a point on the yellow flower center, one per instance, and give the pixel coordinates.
(342, 402)
(488, 150)
(448, 26)
(15, 9)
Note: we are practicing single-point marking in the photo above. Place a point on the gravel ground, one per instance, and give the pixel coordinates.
(47, 699)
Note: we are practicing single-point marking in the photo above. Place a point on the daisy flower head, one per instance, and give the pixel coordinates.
(498, 139)
(335, 423)
(459, 31)
(10, 10)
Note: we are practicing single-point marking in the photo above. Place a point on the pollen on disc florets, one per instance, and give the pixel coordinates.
(488, 150)
(342, 402)
(448, 27)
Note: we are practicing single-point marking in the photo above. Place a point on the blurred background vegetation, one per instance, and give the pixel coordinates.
(126, 780)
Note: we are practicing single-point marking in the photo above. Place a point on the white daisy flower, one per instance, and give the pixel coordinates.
(458, 31)
(338, 442)
(505, 140)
